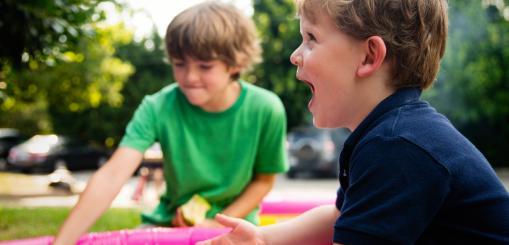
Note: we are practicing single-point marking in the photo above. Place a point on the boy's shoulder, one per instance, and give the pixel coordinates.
(261, 94)
(164, 98)
(415, 121)
(421, 125)
(168, 91)
(262, 100)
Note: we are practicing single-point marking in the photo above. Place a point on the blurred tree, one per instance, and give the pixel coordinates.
(151, 74)
(38, 35)
(148, 72)
(152, 71)
(279, 30)
(41, 29)
(75, 93)
(472, 88)
(84, 94)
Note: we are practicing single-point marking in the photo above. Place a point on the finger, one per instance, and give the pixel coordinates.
(179, 219)
(174, 221)
(227, 221)
(209, 223)
(214, 223)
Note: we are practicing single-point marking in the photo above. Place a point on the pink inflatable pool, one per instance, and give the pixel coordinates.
(271, 212)
(290, 207)
(181, 236)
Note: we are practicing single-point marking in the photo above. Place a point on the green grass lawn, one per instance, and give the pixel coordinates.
(22, 222)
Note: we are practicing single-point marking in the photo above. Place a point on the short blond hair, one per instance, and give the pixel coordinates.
(414, 31)
(214, 30)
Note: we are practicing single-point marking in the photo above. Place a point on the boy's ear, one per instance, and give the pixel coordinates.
(375, 51)
(234, 69)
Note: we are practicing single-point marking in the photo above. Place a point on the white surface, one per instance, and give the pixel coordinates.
(146, 13)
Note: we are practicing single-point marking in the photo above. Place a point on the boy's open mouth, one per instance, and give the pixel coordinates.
(310, 86)
(312, 92)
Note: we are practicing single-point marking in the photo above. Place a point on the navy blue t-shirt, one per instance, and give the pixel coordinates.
(409, 177)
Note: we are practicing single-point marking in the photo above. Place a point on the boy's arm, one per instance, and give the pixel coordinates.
(252, 196)
(99, 193)
(315, 226)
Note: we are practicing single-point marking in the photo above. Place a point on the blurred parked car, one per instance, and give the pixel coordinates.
(46, 152)
(315, 151)
(9, 137)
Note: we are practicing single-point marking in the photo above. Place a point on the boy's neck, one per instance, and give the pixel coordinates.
(227, 100)
(371, 91)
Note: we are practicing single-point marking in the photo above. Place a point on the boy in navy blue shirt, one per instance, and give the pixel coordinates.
(407, 175)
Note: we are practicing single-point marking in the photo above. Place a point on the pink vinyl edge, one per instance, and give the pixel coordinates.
(170, 236)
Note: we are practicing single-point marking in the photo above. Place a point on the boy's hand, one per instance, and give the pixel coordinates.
(178, 220)
(242, 232)
(209, 223)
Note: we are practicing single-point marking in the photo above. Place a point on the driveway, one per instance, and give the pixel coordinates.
(284, 189)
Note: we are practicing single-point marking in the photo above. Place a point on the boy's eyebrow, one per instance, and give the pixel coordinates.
(307, 28)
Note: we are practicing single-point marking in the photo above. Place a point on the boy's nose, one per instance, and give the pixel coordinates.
(191, 76)
(296, 58)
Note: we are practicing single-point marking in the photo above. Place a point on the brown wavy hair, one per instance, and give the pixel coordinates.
(414, 31)
(214, 30)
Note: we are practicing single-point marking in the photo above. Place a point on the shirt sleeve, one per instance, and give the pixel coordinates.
(271, 155)
(140, 133)
(395, 191)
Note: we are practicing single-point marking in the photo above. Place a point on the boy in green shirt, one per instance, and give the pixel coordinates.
(221, 137)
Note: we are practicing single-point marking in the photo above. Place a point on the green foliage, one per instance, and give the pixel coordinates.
(22, 223)
(105, 123)
(472, 88)
(89, 91)
(41, 29)
(151, 74)
(279, 29)
(70, 92)
(152, 71)
(83, 95)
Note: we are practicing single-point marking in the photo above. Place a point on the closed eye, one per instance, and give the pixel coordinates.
(178, 62)
(205, 67)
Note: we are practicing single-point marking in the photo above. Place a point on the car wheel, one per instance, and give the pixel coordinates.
(325, 174)
(3, 164)
(291, 174)
(27, 170)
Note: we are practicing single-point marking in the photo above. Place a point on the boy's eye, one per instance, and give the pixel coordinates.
(311, 37)
(178, 63)
(205, 66)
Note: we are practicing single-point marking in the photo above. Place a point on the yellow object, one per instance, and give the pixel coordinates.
(195, 209)
(269, 219)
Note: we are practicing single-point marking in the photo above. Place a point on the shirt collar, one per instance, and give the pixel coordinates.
(398, 98)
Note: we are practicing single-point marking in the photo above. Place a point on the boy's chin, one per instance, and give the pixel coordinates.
(317, 123)
(195, 100)
(322, 123)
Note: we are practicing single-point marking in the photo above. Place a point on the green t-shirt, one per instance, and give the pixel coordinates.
(215, 155)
